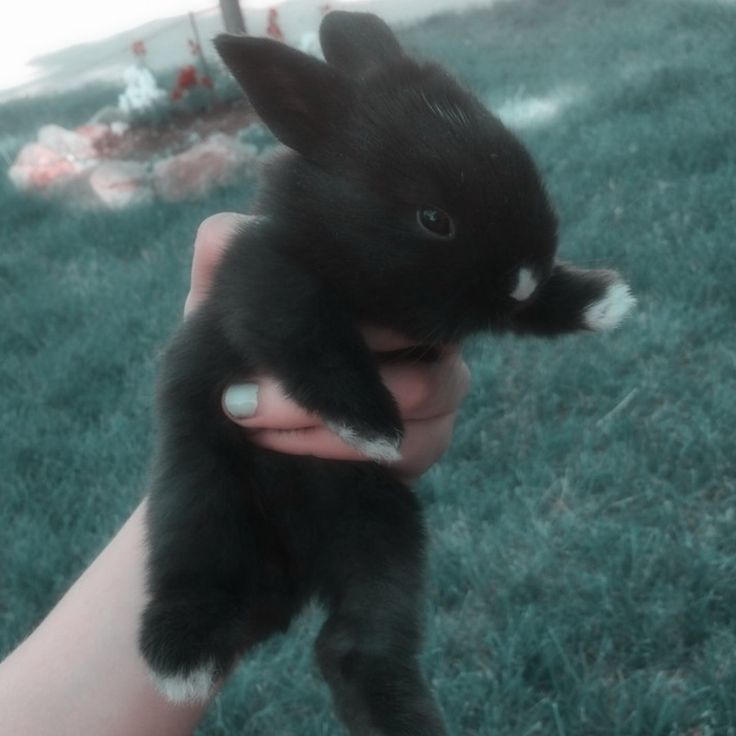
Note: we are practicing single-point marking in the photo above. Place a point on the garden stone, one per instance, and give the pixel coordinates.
(214, 162)
(38, 166)
(93, 132)
(119, 184)
(67, 143)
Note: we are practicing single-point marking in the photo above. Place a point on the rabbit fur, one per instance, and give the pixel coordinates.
(401, 201)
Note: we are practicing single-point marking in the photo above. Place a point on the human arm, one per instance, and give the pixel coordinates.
(80, 671)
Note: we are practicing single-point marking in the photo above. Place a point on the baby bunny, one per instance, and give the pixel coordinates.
(401, 202)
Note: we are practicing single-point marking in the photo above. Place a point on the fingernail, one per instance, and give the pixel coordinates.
(241, 400)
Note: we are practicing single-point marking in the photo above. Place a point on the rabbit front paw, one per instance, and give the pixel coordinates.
(381, 448)
(608, 312)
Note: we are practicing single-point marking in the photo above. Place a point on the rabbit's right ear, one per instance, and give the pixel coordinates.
(357, 42)
(300, 98)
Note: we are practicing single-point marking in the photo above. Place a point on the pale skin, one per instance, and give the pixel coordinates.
(80, 672)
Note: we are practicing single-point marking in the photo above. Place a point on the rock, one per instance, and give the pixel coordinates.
(59, 156)
(214, 162)
(39, 167)
(67, 143)
(94, 133)
(119, 184)
(67, 162)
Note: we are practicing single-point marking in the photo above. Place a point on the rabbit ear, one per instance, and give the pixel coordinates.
(297, 96)
(355, 42)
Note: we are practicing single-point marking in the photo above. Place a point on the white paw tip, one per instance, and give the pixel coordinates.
(525, 285)
(193, 687)
(381, 449)
(608, 312)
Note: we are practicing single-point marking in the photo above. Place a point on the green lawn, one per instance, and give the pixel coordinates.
(583, 532)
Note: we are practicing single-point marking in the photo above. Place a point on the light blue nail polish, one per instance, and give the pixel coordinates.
(241, 400)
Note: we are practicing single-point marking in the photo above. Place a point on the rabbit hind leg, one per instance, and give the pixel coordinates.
(368, 647)
(217, 583)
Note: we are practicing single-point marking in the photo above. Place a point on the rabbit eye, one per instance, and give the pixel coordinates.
(435, 221)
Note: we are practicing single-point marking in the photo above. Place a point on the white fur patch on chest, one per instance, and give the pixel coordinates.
(525, 285)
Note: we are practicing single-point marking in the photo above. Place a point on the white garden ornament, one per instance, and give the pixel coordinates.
(142, 92)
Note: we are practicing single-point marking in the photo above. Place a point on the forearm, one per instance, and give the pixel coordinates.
(80, 671)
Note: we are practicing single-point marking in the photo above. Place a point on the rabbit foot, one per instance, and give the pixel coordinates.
(192, 686)
(379, 448)
(608, 312)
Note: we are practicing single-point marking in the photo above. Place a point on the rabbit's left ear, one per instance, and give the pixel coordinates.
(357, 42)
(301, 99)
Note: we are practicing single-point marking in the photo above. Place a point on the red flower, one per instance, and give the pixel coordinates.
(139, 48)
(187, 78)
(273, 29)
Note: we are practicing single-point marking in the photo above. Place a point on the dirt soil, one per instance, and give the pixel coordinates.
(143, 142)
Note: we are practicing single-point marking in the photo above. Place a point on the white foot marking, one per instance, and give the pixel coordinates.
(381, 450)
(607, 313)
(190, 688)
(524, 286)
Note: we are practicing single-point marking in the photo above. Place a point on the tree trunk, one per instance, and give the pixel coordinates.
(232, 16)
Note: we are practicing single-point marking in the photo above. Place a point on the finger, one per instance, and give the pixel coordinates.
(424, 443)
(425, 390)
(265, 405)
(422, 391)
(213, 236)
(317, 441)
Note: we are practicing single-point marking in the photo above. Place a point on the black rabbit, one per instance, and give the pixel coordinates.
(403, 202)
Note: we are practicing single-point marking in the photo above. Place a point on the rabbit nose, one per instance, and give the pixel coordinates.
(525, 285)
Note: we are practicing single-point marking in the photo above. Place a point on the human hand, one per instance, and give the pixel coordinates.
(428, 394)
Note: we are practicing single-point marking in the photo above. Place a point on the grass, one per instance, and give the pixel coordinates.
(583, 554)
